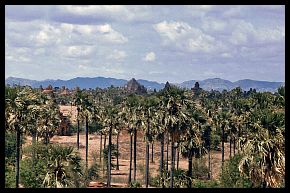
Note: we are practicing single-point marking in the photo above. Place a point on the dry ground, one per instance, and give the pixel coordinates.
(120, 177)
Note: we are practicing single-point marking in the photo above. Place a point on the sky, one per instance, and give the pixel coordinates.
(172, 43)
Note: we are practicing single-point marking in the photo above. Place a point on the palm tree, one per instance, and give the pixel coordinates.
(85, 106)
(16, 108)
(174, 101)
(264, 149)
(110, 122)
(77, 102)
(149, 107)
(134, 113)
(63, 165)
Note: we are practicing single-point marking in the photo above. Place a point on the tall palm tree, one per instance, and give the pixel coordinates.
(264, 149)
(16, 108)
(110, 121)
(174, 101)
(85, 106)
(149, 108)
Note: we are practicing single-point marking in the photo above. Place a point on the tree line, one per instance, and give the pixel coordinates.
(177, 120)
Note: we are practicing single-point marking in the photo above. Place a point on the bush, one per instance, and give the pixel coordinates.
(231, 177)
(74, 128)
(135, 184)
(32, 177)
(93, 172)
(9, 175)
(205, 184)
(10, 153)
(180, 179)
(199, 169)
(114, 154)
(215, 141)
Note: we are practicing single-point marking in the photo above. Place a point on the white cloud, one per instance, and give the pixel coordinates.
(213, 25)
(77, 51)
(103, 33)
(117, 55)
(187, 38)
(172, 30)
(244, 33)
(91, 9)
(150, 57)
(110, 12)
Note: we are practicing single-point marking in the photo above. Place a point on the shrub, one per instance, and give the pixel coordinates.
(135, 184)
(95, 127)
(206, 184)
(231, 177)
(215, 141)
(32, 177)
(199, 169)
(114, 154)
(74, 128)
(93, 172)
(180, 179)
(9, 175)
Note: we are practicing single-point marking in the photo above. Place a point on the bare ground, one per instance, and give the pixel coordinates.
(120, 177)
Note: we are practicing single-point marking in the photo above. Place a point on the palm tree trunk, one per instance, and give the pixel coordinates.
(131, 152)
(109, 157)
(161, 159)
(78, 135)
(117, 167)
(33, 150)
(234, 145)
(172, 164)
(87, 142)
(174, 157)
(152, 152)
(46, 133)
(105, 141)
(177, 162)
(209, 163)
(189, 170)
(239, 135)
(147, 165)
(223, 146)
(167, 148)
(147, 158)
(17, 154)
(135, 152)
(209, 160)
(230, 146)
(101, 145)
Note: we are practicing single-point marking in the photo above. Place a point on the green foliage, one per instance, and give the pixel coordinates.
(180, 179)
(231, 177)
(205, 184)
(10, 153)
(199, 169)
(74, 128)
(10, 146)
(114, 154)
(134, 184)
(95, 127)
(32, 176)
(215, 141)
(9, 175)
(93, 172)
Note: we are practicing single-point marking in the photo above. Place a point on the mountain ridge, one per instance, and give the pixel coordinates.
(103, 82)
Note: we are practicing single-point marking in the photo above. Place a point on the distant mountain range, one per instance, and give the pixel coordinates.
(102, 82)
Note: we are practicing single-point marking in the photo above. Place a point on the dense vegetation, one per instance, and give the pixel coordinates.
(190, 124)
